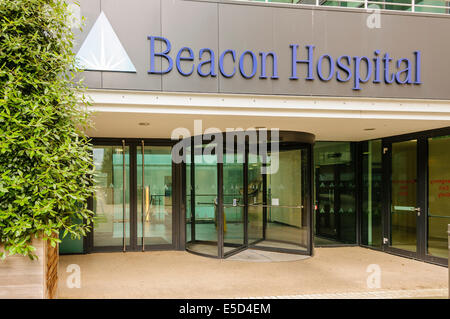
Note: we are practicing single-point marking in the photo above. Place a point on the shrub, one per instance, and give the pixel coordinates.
(45, 157)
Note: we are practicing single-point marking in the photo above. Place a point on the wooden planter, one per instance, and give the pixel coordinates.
(21, 277)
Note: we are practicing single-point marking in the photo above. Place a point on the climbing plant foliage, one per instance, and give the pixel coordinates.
(45, 156)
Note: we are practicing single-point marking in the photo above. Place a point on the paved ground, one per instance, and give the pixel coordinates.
(256, 255)
(331, 273)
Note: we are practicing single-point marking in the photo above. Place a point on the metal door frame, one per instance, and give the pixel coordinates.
(220, 221)
(422, 193)
(387, 173)
(308, 207)
(178, 233)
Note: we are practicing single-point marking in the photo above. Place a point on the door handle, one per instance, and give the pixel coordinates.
(417, 209)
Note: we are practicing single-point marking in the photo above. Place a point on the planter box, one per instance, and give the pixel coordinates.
(21, 277)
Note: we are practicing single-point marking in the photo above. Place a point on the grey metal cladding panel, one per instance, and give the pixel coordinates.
(291, 27)
(90, 10)
(241, 27)
(347, 33)
(404, 35)
(335, 35)
(133, 21)
(436, 71)
(338, 33)
(193, 25)
(244, 28)
(425, 34)
(91, 79)
(396, 37)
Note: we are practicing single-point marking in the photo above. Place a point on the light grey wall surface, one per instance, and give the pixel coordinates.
(242, 26)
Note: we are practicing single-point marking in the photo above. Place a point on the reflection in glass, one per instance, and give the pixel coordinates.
(108, 199)
(404, 195)
(157, 195)
(438, 195)
(69, 245)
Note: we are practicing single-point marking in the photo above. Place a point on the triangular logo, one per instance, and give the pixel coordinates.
(102, 50)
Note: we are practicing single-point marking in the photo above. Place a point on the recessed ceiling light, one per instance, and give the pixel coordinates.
(369, 129)
(144, 123)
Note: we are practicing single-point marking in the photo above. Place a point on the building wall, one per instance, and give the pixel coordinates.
(257, 27)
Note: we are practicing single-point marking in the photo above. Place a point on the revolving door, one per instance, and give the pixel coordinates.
(248, 193)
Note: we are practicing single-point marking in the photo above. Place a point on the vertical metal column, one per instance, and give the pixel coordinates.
(124, 196)
(143, 195)
(220, 210)
(192, 189)
(265, 202)
(448, 232)
(245, 172)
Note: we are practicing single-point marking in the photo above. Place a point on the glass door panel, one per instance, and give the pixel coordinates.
(438, 196)
(204, 206)
(154, 200)
(335, 213)
(285, 222)
(112, 167)
(372, 194)
(326, 216)
(233, 202)
(262, 200)
(403, 213)
(256, 199)
(190, 232)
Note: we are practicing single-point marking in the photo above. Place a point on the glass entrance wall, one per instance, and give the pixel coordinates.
(285, 222)
(256, 199)
(111, 222)
(233, 202)
(133, 201)
(202, 192)
(372, 188)
(238, 200)
(438, 195)
(154, 201)
(403, 215)
(251, 215)
(335, 185)
(416, 175)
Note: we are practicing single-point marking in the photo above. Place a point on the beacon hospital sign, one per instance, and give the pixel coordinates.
(231, 48)
(357, 69)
